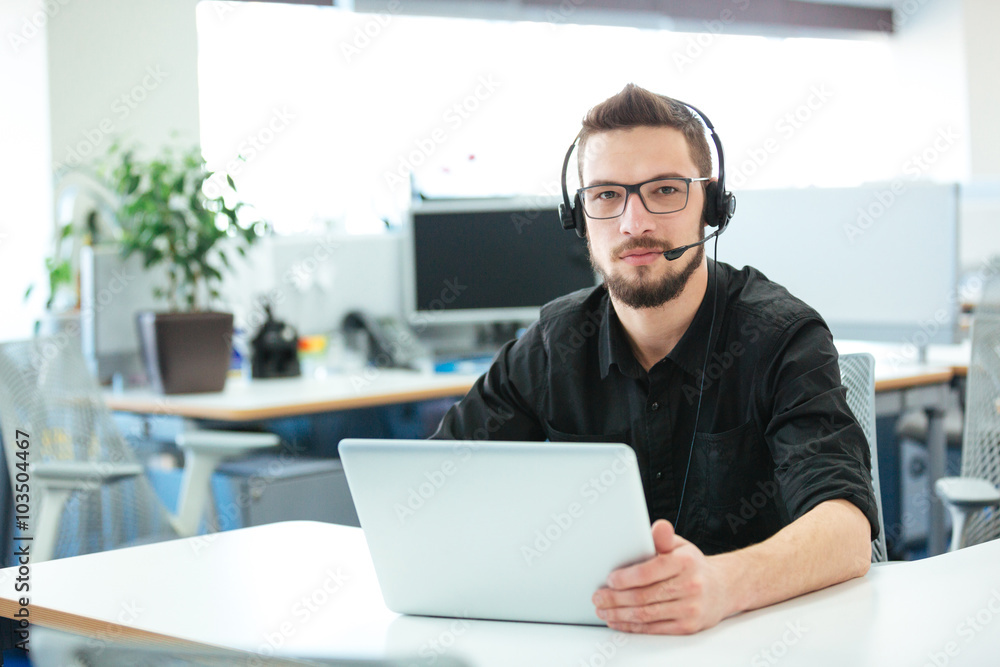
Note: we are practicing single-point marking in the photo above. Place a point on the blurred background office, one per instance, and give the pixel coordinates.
(860, 135)
(341, 115)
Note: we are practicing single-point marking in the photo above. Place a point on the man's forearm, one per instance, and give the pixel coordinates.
(829, 544)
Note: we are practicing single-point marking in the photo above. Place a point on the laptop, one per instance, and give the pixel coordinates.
(520, 531)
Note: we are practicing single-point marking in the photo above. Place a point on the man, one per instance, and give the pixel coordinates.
(756, 475)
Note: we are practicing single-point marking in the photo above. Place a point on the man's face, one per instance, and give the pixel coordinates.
(627, 251)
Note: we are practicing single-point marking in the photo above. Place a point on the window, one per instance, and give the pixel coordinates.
(333, 110)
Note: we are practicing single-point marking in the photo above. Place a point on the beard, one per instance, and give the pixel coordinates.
(644, 290)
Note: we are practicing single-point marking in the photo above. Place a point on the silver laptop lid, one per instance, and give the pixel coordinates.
(522, 531)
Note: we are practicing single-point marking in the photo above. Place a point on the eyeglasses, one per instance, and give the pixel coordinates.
(661, 195)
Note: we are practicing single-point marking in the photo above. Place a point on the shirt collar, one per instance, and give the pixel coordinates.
(689, 353)
(613, 347)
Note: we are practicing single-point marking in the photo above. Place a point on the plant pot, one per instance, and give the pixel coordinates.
(186, 353)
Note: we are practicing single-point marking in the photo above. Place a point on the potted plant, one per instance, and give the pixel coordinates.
(169, 218)
(85, 216)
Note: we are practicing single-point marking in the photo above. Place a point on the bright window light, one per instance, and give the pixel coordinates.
(321, 115)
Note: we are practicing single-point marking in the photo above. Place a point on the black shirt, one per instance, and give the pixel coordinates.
(774, 435)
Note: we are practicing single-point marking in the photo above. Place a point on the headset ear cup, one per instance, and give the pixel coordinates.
(728, 208)
(711, 213)
(579, 222)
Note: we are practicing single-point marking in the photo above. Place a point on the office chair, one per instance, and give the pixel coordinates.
(857, 373)
(914, 424)
(972, 498)
(86, 488)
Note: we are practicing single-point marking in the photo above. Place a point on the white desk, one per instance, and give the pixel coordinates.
(308, 589)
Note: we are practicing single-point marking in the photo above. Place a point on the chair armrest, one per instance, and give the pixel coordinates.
(967, 492)
(225, 443)
(81, 475)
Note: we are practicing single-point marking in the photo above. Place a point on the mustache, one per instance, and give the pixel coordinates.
(641, 244)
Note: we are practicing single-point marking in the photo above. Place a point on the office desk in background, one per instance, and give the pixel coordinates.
(901, 384)
(255, 400)
(309, 589)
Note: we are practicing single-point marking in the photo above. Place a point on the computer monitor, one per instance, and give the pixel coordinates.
(879, 261)
(315, 280)
(491, 260)
(112, 291)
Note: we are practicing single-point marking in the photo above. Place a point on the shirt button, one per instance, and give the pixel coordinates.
(654, 407)
(659, 475)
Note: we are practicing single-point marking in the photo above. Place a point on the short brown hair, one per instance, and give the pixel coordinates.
(638, 107)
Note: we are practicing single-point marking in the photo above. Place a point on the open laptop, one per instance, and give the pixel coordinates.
(524, 531)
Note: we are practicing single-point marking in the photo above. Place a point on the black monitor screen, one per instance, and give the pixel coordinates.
(497, 259)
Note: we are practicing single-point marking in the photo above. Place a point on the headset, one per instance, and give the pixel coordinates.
(720, 205)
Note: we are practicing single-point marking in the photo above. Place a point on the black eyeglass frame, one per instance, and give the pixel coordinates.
(635, 188)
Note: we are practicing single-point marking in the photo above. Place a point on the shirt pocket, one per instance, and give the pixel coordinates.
(733, 492)
(733, 466)
(555, 435)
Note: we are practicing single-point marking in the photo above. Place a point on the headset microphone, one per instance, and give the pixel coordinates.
(677, 252)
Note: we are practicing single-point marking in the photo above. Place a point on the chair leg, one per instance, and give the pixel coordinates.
(195, 489)
(958, 517)
(47, 530)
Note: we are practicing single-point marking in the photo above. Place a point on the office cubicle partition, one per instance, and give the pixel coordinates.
(879, 262)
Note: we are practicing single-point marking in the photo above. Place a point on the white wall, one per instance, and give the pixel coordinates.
(982, 57)
(980, 206)
(122, 67)
(25, 183)
(85, 72)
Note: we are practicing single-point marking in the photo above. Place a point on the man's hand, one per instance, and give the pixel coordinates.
(677, 592)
